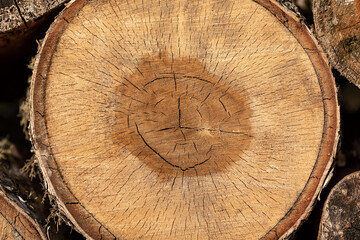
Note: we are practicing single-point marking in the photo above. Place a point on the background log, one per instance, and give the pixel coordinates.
(341, 213)
(20, 20)
(337, 25)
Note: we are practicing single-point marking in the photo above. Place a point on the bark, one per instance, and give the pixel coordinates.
(179, 118)
(337, 25)
(21, 20)
(340, 218)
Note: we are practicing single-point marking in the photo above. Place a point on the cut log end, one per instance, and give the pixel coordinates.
(179, 118)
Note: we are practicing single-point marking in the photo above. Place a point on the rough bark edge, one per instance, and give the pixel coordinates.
(338, 187)
(18, 218)
(344, 70)
(66, 203)
(17, 42)
(32, 169)
(10, 18)
(290, 5)
(21, 13)
(319, 176)
(24, 108)
(14, 181)
(87, 224)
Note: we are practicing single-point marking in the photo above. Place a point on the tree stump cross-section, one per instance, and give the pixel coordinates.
(183, 119)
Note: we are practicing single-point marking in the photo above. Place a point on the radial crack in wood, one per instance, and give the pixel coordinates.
(180, 119)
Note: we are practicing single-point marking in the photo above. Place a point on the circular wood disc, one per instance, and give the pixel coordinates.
(181, 119)
(337, 24)
(341, 218)
(15, 224)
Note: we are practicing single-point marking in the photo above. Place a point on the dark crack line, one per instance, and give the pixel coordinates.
(139, 71)
(215, 130)
(21, 16)
(179, 112)
(201, 79)
(179, 107)
(175, 82)
(223, 105)
(164, 159)
(127, 80)
(172, 186)
(164, 129)
(12, 223)
(199, 163)
(136, 100)
(183, 134)
(205, 98)
(159, 102)
(195, 146)
(159, 78)
(143, 139)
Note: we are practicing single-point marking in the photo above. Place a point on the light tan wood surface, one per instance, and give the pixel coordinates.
(183, 119)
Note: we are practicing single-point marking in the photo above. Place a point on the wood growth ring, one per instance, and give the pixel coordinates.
(183, 119)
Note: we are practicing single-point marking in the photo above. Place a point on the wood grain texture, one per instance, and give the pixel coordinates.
(341, 219)
(183, 119)
(15, 224)
(337, 24)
